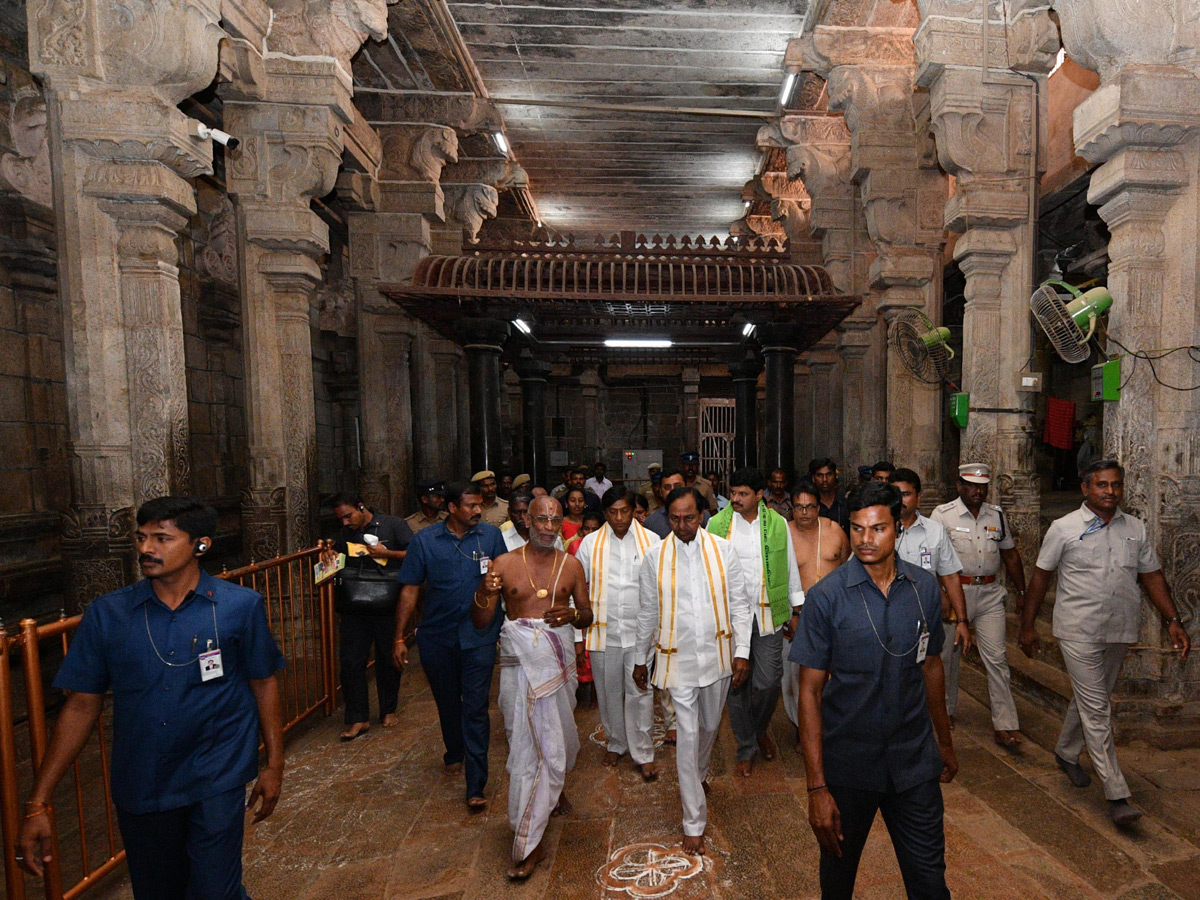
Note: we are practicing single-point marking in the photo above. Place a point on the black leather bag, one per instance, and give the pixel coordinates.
(365, 590)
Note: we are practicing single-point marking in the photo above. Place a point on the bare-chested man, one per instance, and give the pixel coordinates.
(537, 666)
(821, 546)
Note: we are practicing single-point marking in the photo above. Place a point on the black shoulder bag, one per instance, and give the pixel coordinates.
(365, 590)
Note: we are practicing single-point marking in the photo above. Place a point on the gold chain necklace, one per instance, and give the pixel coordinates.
(540, 593)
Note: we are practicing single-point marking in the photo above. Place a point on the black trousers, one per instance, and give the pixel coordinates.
(358, 635)
(914, 821)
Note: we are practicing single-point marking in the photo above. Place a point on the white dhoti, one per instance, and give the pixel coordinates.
(697, 718)
(537, 698)
(790, 685)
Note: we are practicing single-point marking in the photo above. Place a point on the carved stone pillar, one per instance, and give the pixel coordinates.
(428, 418)
(745, 374)
(590, 382)
(803, 380)
(384, 249)
(985, 137)
(292, 145)
(819, 152)
(825, 364)
(1143, 127)
(779, 359)
(691, 409)
(870, 73)
(447, 360)
(120, 152)
(534, 374)
(483, 340)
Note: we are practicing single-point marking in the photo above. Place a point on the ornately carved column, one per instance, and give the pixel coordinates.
(483, 340)
(804, 428)
(870, 74)
(120, 153)
(745, 374)
(691, 409)
(825, 364)
(985, 137)
(292, 146)
(1143, 125)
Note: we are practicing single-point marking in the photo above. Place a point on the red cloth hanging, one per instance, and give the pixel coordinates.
(1060, 423)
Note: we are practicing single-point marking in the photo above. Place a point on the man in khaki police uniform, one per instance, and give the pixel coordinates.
(984, 542)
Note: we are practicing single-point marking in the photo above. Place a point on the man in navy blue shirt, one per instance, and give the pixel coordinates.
(450, 559)
(872, 696)
(191, 664)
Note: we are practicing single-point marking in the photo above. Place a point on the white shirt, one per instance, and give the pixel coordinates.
(746, 538)
(695, 625)
(597, 486)
(621, 585)
(927, 545)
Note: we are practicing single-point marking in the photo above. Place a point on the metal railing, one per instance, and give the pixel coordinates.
(301, 619)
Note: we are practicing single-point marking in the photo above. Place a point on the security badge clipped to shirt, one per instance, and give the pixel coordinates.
(210, 663)
(483, 565)
(922, 643)
(926, 558)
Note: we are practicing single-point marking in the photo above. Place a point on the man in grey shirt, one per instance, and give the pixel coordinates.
(1101, 554)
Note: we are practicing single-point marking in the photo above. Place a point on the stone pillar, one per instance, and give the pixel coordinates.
(590, 382)
(825, 365)
(447, 357)
(307, 106)
(462, 395)
(691, 409)
(1143, 129)
(533, 374)
(985, 138)
(779, 359)
(745, 374)
(483, 340)
(870, 73)
(428, 418)
(803, 380)
(819, 153)
(120, 152)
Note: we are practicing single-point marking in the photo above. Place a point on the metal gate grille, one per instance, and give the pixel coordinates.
(716, 436)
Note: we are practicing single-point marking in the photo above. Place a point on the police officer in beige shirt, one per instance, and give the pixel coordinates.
(1101, 554)
(984, 543)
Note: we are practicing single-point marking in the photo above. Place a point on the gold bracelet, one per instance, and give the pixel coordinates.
(483, 605)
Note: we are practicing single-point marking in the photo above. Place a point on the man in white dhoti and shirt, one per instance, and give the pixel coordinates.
(612, 558)
(694, 625)
(537, 674)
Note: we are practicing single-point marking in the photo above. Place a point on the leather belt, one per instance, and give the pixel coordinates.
(976, 579)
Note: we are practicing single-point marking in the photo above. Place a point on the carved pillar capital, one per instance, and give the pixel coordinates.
(385, 247)
(468, 205)
(951, 34)
(335, 28)
(1107, 35)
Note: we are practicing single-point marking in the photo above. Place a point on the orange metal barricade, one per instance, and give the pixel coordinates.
(301, 617)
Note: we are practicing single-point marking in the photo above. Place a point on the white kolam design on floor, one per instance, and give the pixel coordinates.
(646, 871)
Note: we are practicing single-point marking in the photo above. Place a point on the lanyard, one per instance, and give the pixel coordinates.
(882, 646)
(154, 647)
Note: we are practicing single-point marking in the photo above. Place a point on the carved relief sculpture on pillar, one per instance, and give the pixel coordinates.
(120, 153)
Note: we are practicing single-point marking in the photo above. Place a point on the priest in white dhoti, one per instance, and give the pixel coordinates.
(539, 584)
(694, 627)
(612, 558)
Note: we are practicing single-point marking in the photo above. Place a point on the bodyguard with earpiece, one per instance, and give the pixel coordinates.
(191, 664)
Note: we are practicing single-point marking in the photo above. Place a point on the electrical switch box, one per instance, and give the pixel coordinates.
(959, 408)
(1106, 381)
(1029, 382)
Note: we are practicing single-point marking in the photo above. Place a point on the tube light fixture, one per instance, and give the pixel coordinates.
(747, 329)
(638, 343)
(501, 142)
(746, 205)
(785, 92)
(522, 326)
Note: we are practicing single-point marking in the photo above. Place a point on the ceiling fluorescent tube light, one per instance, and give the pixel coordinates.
(522, 326)
(785, 92)
(638, 343)
(501, 142)
(747, 329)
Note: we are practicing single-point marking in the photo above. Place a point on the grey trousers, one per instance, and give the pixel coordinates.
(1094, 669)
(697, 718)
(985, 612)
(626, 711)
(752, 705)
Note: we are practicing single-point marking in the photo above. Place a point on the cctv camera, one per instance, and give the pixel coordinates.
(216, 134)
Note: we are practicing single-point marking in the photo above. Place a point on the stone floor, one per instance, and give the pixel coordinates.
(376, 819)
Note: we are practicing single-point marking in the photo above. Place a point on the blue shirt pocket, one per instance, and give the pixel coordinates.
(855, 650)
